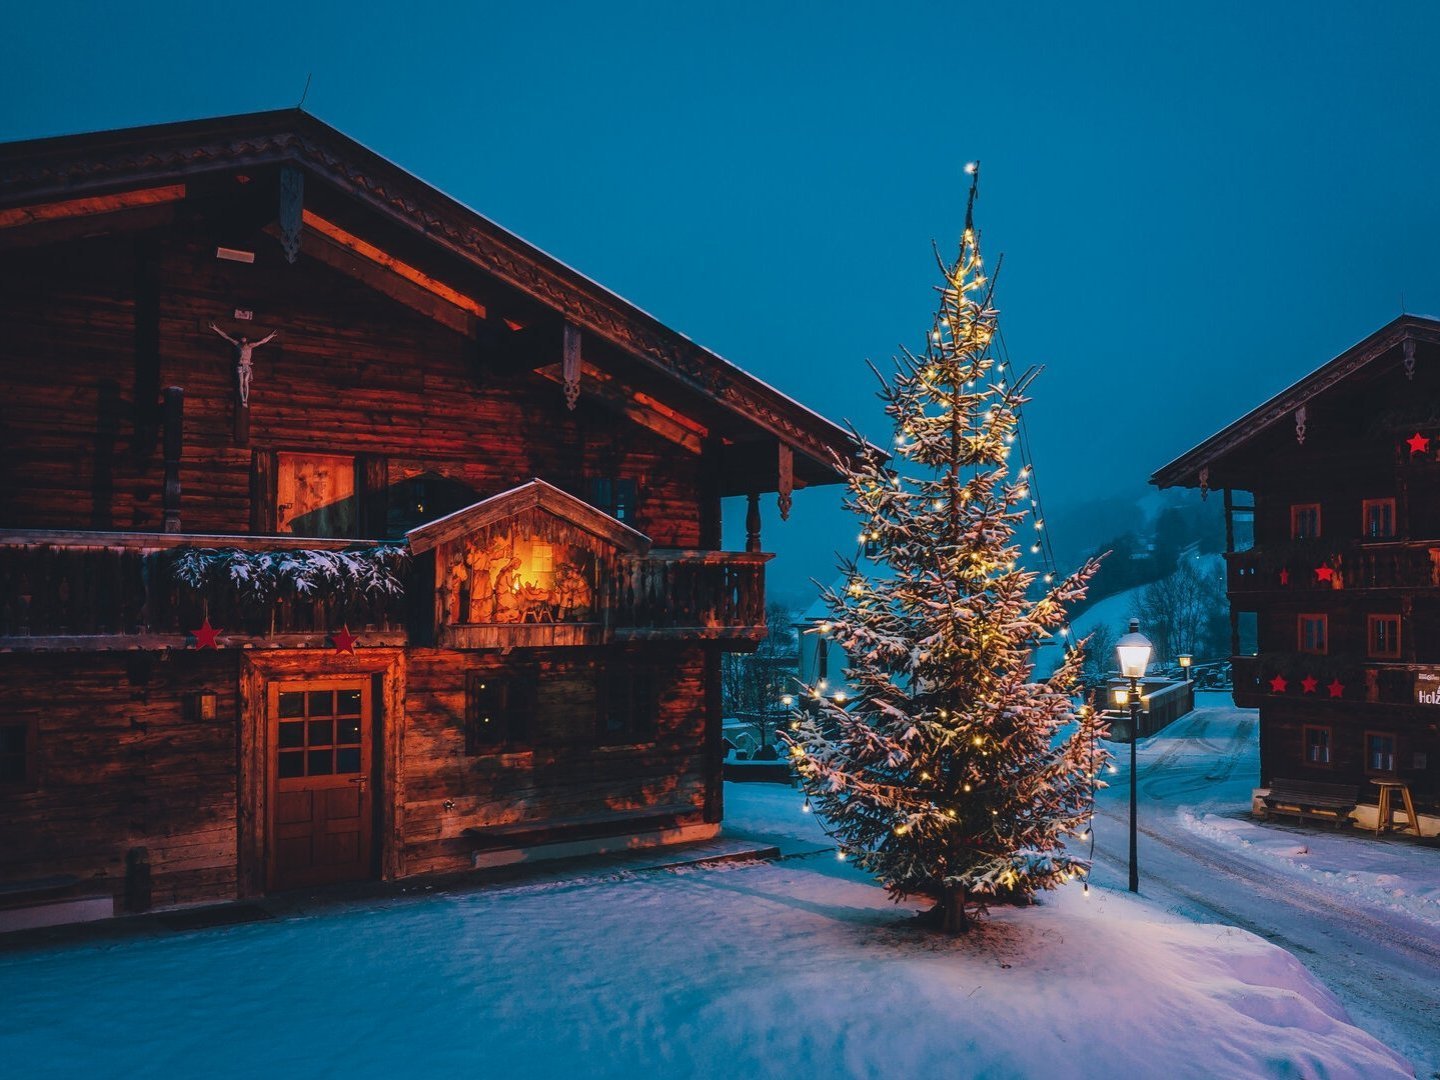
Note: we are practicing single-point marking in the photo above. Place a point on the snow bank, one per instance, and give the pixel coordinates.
(1396, 877)
(797, 969)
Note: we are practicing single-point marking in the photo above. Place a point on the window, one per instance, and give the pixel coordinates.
(1379, 752)
(1317, 745)
(1383, 636)
(1377, 519)
(315, 495)
(630, 703)
(17, 744)
(1304, 521)
(617, 497)
(1311, 636)
(499, 709)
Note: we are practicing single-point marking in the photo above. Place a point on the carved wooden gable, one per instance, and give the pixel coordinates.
(530, 566)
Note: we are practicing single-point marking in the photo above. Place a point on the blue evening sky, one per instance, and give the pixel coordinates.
(1197, 205)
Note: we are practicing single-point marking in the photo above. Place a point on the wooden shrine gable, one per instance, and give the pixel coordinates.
(530, 566)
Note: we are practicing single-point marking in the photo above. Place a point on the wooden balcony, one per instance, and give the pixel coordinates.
(75, 590)
(1306, 567)
(1359, 680)
(62, 590)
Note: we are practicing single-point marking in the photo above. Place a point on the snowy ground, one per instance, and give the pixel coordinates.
(1362, 914)
(801, 968)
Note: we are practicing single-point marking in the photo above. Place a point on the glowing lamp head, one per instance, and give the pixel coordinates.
(1133, 651)
(1185, 659)
(787, 700)
(1122, 696)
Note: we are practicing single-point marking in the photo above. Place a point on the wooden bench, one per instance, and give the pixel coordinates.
(523, 834)
(1311, 799)
(37, 890)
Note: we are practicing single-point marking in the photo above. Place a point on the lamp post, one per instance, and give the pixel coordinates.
(1185, 660)
(1133, 651)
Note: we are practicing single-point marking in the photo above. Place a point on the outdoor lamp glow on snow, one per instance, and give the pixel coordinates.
(1133, 651)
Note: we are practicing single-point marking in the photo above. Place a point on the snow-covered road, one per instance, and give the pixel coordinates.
(1363, 915)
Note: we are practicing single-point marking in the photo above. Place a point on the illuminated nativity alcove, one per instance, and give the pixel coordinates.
(510, 566)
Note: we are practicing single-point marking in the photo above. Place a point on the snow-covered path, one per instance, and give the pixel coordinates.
(1364, 916)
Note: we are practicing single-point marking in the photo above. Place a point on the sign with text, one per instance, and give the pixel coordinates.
(1427, 687)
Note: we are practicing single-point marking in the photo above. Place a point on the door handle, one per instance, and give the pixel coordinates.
(361, 780)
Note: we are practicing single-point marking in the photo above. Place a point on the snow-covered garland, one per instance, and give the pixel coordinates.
(949, 773)
(310, 574)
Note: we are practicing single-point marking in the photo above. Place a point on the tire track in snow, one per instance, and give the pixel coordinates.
(1383, 973)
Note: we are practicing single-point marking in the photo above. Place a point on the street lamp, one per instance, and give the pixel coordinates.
(1134, 652)
(1185, 660)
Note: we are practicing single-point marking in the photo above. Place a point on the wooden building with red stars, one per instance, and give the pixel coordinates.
(345, 535)
(1332, 499)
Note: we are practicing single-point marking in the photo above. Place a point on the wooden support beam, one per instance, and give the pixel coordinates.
(666, 423)
(174, 413)
(752, 521)
(381, 258)
(388, 283)
(95, 204)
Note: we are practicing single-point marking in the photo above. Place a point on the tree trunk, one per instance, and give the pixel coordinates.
(953, 918)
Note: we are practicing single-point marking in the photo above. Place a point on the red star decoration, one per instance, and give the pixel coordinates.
(1418, 443)
(206, 635)
(344, 641)
(1324, 573)
(1284, 577)
(1336, 688)
(1278, 685)
(1309, 683)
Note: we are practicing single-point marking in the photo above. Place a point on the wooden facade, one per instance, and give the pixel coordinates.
(1335, 606)
(344, 535)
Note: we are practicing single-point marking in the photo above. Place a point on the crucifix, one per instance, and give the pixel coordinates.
(244, 359)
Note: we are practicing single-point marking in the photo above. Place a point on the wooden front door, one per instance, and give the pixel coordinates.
(320, 734)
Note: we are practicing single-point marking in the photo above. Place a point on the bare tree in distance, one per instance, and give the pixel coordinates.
(1182, 613)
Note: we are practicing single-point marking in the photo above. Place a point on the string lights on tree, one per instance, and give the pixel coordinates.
(947, 771)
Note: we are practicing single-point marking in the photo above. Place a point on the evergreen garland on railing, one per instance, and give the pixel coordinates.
(259, 577)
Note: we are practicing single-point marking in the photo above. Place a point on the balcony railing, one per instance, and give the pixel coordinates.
(121, 590)
(1335, 679)
(702, 590)
(1305, 567)
(56, 587)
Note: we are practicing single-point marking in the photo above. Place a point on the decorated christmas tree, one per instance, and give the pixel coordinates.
(948, 771)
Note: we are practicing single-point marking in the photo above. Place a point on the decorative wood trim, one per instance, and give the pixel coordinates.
(537, 493)
(292, 206)
(570, 366)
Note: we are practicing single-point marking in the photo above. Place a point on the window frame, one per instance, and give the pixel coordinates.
(1296, 509)
(29, 777)
(1324, 621)
(1371, 622)
(520, 700)
(284, 458)
(1366, 505)
(630, 688)
(607, 493)
(1329, 732)
(1394, 753)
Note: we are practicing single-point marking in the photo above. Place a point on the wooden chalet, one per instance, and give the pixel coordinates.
(1334, 567)
(344, 535)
